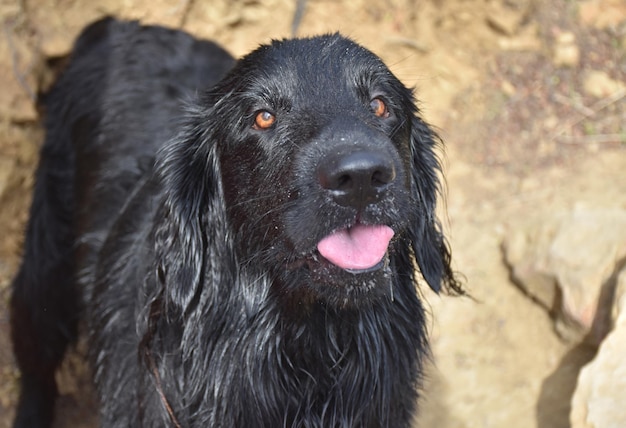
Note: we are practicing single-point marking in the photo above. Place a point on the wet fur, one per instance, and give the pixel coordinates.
(185, 238)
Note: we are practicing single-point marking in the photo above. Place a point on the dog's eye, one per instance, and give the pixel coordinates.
(379, 108)
(264, 120)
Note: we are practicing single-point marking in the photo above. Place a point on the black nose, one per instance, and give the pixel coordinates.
(356, 178)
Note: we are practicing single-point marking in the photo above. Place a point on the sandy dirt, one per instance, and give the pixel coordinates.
(507, 85)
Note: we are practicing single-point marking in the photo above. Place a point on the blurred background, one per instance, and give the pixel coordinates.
(530, 99)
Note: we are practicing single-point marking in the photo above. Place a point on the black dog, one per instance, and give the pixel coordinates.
(247, 259)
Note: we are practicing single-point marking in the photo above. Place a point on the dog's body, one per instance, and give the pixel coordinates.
(243, 261)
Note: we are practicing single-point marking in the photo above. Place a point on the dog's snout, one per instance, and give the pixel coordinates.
(356, 178)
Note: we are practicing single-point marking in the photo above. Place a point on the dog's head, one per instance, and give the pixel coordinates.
(308, 163)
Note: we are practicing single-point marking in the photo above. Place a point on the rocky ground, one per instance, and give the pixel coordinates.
(530, 98)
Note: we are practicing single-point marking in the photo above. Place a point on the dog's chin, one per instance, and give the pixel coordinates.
(345, 288)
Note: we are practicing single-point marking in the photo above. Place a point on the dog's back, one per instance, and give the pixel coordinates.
(106, 116)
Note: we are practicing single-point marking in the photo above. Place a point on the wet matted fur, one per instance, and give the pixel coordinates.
(245, 258)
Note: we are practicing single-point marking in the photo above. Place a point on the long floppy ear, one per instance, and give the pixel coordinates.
(191, 212)
(430, 247)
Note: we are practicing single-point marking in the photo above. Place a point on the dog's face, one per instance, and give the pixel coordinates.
(328, 174)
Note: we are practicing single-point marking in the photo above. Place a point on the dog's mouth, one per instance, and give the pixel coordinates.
(357, 249)
(349, 266)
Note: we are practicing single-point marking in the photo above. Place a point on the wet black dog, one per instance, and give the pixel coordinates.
(245, 259)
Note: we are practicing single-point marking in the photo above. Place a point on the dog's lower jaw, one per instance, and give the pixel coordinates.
(313, 279)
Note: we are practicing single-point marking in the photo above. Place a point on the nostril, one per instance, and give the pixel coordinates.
(343, 182)
(383, 176)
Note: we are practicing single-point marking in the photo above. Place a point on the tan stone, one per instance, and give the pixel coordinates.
(598, 401)
(602, 13)
(565, 263)
(599, 84)
(566, 52)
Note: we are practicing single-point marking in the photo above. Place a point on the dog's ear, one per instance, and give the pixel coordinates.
(430, 247)
(191, 208)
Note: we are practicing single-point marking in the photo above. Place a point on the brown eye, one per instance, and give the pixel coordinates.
(264, 120)
(379, 108)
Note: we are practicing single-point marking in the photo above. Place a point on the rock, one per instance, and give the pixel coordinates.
(508, 88)
(602, 13)
(566, 52)
(597, 401)
(599, 84)
(17, 95)
(506, 23)
(566, 262)
(526, 39)
(507, 17)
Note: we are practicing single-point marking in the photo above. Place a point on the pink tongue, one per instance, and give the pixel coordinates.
(357, 248)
